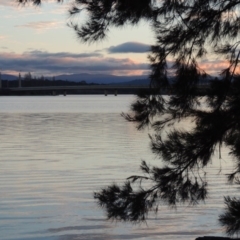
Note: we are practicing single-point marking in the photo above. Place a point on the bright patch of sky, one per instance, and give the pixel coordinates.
(29, 32)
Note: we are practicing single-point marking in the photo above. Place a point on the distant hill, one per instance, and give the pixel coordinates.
(99, 78)
(8, 77)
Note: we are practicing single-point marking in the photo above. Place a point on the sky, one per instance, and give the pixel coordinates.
(38, 40)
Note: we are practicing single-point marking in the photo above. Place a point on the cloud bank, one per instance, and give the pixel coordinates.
(41, 63)
(48, 63)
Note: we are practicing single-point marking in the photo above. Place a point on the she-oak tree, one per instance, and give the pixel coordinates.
(186, 33)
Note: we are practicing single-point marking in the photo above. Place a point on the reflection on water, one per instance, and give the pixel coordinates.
(55, 151)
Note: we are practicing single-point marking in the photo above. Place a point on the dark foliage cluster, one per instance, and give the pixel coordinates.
(186, 33)
(230, 219)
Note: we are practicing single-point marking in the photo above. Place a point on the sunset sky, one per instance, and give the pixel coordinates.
(38, 40)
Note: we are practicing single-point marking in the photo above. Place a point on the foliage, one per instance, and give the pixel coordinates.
(230, 218)
(27, 76)
(187, 32)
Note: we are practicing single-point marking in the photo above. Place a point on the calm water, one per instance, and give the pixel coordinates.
(55, 151)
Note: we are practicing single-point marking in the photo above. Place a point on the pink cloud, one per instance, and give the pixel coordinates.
(43, 25)
(214, 67)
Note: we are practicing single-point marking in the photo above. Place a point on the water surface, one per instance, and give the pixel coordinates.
(56, 151)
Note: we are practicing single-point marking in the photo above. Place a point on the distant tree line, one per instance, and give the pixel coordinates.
(40, 83)
(29, 81)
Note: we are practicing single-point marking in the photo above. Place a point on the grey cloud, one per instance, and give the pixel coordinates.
(44, 54)
(130, 47)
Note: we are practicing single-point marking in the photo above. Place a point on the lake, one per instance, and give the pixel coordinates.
(56, 151)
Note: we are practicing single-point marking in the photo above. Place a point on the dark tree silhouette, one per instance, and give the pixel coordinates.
(186, 33)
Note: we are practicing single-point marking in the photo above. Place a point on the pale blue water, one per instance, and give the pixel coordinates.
(56, 151)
